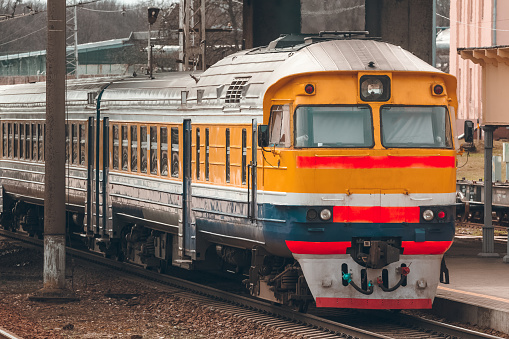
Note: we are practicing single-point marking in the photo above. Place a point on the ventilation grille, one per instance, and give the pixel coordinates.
(234, 92)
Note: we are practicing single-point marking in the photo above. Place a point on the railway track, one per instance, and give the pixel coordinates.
(478, 226)
(317, 323)
(4, 334)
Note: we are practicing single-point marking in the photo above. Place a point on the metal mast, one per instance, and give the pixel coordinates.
(71, 55)
(192, 35)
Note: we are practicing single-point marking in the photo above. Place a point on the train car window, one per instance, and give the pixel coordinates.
(22, 141)
(143, 149)
(207, 153)
(28, 141)
(153, 149)
(125, 147)
(4, 136)
(67, 143)
(74, 133)
(83, 144)
(116, 144)
(40, 138)
(279, 125)
(164, 151)
(134, 148)
(9, 128)
(227, 155)
(333, 126)
(197, 154)
(416, 127)
(174, 152)
(43, 141)
(16, 140)
(244, 156)
(34, 142)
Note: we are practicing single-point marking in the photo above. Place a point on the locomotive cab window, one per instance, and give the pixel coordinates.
(333, 126)
(279, 125)
(416, 127)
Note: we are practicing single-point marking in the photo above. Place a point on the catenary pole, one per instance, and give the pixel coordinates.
(54, 182)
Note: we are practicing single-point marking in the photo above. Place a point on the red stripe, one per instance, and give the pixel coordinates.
(425, 247)
(339, 247)
(353, 162)
(380, 304)
(309, 247)
(377, 214)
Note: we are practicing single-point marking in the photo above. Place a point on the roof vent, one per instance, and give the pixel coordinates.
(234, 92)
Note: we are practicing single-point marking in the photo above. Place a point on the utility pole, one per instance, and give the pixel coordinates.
(192, 36)
(54, 288)
(152, 17)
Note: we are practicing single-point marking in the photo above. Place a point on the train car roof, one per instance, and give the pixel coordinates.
(239, 80)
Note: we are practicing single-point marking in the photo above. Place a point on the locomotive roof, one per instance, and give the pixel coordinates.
(247, 74)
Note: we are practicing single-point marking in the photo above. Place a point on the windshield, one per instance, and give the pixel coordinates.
(416, 127)
(333, 126)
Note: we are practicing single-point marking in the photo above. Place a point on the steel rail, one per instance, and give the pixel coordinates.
(274, 315)
(4, 334)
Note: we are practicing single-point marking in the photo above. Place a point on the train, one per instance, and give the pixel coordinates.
(319, 169)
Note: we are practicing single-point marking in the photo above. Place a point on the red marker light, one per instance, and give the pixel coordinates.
(441, 215)
(310, 89)
(438, 89)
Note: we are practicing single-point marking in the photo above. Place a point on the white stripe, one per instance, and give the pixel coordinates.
(342, 199)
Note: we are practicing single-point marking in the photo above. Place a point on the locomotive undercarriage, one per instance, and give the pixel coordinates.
(269, 277)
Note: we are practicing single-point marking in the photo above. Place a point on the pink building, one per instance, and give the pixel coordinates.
(475, 23)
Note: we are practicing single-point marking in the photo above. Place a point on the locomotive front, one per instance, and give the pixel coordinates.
(361, 163)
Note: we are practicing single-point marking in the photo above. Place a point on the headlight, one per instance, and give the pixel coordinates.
(325, 214)
(428, 215)
(311, 214)
(375, 88)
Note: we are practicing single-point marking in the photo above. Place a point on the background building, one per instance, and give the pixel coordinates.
(475, 23)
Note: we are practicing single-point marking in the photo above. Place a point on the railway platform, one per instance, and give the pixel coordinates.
(478, 292)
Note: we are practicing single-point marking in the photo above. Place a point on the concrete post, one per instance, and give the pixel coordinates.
(54, 194)
(488, 233)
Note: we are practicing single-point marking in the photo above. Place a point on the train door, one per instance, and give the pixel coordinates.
(98, 218)
(187, 231)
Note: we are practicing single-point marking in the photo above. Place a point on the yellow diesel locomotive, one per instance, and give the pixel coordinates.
(320, 168)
